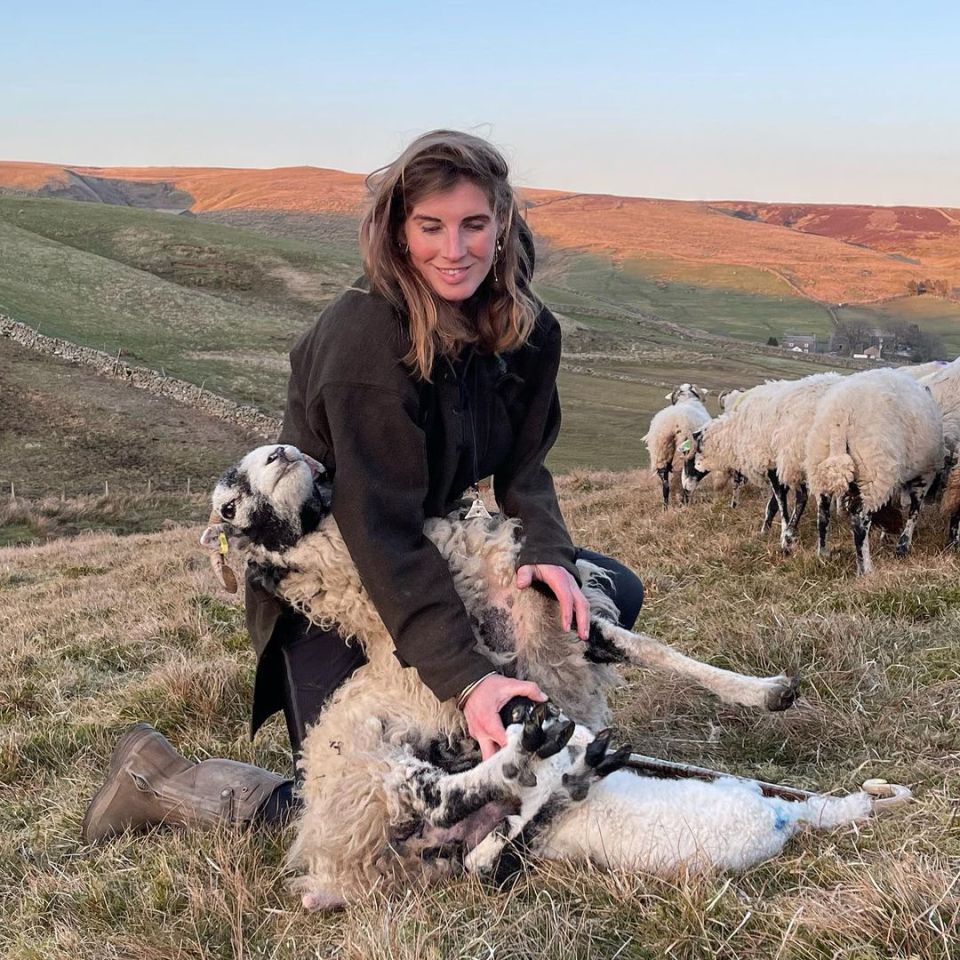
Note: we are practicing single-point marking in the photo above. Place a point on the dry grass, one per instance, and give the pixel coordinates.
(99, 631)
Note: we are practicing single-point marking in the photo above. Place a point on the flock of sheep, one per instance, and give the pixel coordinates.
(877, 442)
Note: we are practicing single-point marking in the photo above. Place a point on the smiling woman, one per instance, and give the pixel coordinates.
(451, 238)
(435, 370)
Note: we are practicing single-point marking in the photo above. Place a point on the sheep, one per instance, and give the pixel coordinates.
(671, 432)
(727, 398)
(921, 370)
(875, 435)
(392, 791)
(944, 385)
(740, 442)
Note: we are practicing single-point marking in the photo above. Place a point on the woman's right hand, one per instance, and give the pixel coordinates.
(482, 709)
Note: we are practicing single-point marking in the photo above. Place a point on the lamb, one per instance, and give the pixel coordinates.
(944, 385)
(876, 435)
(392, 788)
(671, 432)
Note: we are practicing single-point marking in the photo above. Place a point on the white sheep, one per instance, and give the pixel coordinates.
(741, 442)
(670, 437)
(876, 435)
(920, 370)
(727, 398)
(392, 789)
(944, 385)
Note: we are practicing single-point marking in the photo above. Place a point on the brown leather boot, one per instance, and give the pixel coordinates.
(150, 783)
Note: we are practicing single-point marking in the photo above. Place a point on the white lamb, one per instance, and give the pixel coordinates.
(876, 435)
(670, 437)
(393, 791)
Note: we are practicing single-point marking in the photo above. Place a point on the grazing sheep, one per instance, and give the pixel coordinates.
(392, 789)
(876, 435)
(670, 437)
(741, 442)
(764, 438)
(944, 384)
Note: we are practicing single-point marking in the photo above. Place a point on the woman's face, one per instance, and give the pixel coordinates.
(452, 238)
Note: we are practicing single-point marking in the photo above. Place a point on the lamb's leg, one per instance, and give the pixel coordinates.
(953, 531)
(664, 474)
(771, 693)
(823, 522)
(445, 799)
(915, 489)
(780, 491)
(769, 513)
(563, 780)
(789, 536)
(738, 481)
(860, 522)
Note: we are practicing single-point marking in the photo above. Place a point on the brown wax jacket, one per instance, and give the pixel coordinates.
(401, 450)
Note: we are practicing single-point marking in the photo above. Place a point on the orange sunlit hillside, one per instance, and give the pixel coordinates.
(832, 253)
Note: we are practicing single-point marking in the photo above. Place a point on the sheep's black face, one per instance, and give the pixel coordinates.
(272, 497)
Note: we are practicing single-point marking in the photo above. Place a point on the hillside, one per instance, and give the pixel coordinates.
(930, 235)
(98, 632)
(220, 307)
(832, 254)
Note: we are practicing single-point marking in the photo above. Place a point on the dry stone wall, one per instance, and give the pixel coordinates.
(258, 424)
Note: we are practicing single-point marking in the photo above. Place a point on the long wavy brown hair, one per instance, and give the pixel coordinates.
(501, 314)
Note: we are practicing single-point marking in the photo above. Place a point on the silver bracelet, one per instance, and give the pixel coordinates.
(469, 688)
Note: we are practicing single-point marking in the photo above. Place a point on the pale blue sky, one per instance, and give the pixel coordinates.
(833, 102)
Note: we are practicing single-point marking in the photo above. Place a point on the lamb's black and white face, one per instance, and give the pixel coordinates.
(272, 497)
(695, 466)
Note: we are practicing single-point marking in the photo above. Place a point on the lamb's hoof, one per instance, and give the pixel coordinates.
(597, 763)
(519, 709)
(784, 694)
(613, 761)
(902, 550)
(546, 732)
(597, 748)
(321, 901)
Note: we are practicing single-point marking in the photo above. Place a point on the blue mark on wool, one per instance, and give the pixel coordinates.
(782, 820)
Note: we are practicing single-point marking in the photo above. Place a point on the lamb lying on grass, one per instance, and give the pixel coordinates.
(393, 792)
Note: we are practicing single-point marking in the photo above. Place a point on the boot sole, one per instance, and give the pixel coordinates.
(102, 798)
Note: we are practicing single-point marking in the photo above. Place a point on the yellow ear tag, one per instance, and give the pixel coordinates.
(224, 544)
(685, 447)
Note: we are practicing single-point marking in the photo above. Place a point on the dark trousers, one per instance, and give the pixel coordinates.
(317, 661)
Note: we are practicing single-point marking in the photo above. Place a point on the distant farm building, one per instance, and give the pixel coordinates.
(802, 343)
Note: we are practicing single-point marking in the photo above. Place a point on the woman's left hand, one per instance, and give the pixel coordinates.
(569, 595)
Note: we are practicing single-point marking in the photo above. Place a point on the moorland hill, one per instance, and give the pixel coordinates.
(827, 253)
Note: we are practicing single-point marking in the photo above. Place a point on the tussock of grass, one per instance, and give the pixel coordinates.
(101, 630)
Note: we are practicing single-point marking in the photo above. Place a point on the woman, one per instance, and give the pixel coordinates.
(438, 369)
